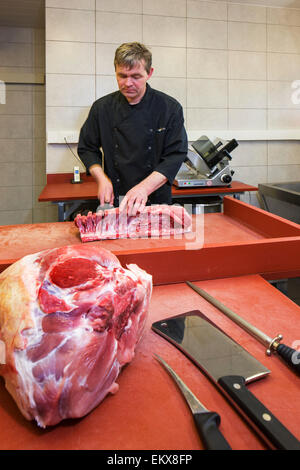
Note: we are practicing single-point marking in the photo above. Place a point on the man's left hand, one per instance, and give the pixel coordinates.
(135, 200)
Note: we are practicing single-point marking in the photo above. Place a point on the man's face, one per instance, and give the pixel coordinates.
(132, 82)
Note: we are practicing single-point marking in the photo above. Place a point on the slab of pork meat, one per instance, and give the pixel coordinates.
(70, 318)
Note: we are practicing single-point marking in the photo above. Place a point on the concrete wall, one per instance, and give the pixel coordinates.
(22, 125)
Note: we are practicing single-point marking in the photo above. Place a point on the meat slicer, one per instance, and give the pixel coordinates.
(206, 164)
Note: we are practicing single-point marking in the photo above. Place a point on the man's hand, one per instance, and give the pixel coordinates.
(105, 187)
(136, 198)
(105, 191)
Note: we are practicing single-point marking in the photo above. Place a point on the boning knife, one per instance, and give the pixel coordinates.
(104, 207)
(290, 356)
(207, 422)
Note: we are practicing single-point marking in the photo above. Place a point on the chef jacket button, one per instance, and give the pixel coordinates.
(118, 181)
(149, 148)
(116, 146)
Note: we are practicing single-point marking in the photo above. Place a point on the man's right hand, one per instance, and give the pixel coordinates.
(105, 187)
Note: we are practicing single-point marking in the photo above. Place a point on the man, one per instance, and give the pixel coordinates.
(141, 133)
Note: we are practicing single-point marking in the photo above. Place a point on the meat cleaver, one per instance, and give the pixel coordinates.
(230, 366)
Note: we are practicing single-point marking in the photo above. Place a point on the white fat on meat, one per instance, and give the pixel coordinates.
(74, 320)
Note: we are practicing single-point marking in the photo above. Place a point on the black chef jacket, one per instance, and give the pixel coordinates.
(135, 140)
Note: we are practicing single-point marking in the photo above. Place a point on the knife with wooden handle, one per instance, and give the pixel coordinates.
(207, 422)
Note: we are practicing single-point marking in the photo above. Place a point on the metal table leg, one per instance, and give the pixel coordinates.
(61, 211)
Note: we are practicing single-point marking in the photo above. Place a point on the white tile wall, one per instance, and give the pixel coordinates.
(280, 95)
(66, 117)
(207, 10)
(119, 33)
(16, 35)
(169, 61)
(247, 119)
(230, 63)
(283, 118)
(165, 7)
(105, 84)
(71, 4)
(206, 93)
(249, 13)
(247, 94)
(206, 34)
(247, 36)
(164, 31)
(251, 154)
(16, 53)
(247, 65)
(60, 157)
(283, 38)
(283, 16)
(104, 58)
(70, 90)
(70, 25)
(175, 87)
(207, 119)
(207, 63)
(120, 6)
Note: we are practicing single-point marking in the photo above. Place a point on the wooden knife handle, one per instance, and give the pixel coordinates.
(273, 429)
(208, 427)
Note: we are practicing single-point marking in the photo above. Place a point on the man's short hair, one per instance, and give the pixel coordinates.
(130, 53)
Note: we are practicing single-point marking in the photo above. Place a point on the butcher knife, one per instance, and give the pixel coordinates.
(290, 356)
(230, 367)
(104, 207)
(207, 422)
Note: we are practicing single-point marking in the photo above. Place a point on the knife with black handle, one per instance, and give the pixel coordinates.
(207, 422)
(230, 366)
(289, 356)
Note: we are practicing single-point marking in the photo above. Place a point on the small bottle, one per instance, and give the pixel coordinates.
(76, 174)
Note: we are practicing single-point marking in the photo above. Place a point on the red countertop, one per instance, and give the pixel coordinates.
(60, 188)
(240, 240)
(148, 411)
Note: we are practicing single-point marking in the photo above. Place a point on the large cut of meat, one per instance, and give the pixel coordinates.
(70, 318)
(153, 221)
